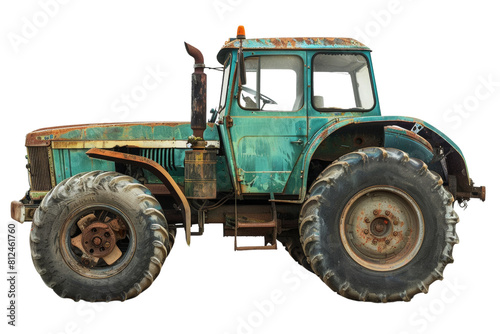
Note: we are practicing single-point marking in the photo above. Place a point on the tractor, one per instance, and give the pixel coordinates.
(296, 152)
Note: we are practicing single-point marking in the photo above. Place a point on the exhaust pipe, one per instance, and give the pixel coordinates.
(198, 93)
(200, 176)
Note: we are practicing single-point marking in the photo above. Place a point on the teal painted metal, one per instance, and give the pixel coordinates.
(399, 138)
(266, 147)
(133, 131)
(69, 162)
(438, 138)
(297, 43)
(263, 141)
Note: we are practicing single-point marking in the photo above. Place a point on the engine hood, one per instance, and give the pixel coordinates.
(116, 132)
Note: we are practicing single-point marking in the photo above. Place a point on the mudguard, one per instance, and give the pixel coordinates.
(443, 149)
(157, 170)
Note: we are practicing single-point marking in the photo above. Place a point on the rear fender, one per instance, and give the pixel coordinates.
(422, 139)
(409, 142)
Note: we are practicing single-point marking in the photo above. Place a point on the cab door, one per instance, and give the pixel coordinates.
(269, 118)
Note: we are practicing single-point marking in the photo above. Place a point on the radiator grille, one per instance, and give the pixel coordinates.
(39, 168)
(163, 156)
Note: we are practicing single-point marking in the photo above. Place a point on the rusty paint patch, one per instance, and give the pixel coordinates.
(43, 136)
(292, 43)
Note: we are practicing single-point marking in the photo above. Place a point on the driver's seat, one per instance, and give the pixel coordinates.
(318, 101)
(249, 103)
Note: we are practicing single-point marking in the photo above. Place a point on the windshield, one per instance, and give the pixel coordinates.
(225, 81)
(341, 81)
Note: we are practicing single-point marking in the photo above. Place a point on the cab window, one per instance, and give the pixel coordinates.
(341, 81)
(274, 83)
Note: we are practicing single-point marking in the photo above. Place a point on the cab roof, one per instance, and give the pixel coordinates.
(289, 43)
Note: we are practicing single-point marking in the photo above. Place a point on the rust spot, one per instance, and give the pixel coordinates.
(43, 136)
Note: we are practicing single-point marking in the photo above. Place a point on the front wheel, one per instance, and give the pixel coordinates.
(99, 236)
(378, 226)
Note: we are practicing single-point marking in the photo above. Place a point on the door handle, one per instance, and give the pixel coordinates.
(298, 142)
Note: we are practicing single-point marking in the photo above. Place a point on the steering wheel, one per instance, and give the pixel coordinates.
(264, 98)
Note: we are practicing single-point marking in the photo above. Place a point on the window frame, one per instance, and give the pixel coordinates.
(302, 81)
(343, 110)
(228, 62)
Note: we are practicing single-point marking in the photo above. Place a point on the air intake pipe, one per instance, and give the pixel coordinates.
(198, 93)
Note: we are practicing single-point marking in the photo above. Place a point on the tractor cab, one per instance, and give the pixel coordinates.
(277, 93)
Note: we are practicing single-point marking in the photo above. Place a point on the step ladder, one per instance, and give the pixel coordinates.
(248, 226)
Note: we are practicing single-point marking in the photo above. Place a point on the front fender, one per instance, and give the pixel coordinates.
(158, 171)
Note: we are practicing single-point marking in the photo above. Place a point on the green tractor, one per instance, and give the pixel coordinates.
(296, 152)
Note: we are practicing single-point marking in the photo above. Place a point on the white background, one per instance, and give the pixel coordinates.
(431, 60)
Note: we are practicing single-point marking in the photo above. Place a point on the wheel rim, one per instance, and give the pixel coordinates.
(382, 228)
(97, 241)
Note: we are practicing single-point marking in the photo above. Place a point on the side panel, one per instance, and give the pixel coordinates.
(265, 161)
(68, 162)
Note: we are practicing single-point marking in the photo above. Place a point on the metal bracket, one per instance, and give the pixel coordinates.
(297, 142)
(239, 175)
(229, 122)
(417, 127)
(201, 223)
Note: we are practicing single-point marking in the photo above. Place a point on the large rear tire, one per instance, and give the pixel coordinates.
(378, 226)
(291, 242)
(99, 236)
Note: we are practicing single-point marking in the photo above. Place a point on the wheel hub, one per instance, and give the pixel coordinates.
(98, 239)
(379, 226)
(382, 228)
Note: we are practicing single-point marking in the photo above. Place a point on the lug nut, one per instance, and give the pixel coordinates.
(374, 242)
(395, 233)
(387, 213)
(107, 244)
(375, 212)
(367, 220)
(96, 241)
(366, 231)
(387, 242)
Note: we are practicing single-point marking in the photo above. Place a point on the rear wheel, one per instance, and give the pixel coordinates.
(99, 236)
(291, 242)
(378, 226)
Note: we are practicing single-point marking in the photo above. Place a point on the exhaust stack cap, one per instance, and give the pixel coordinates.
(199, 63)
(198, 97)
